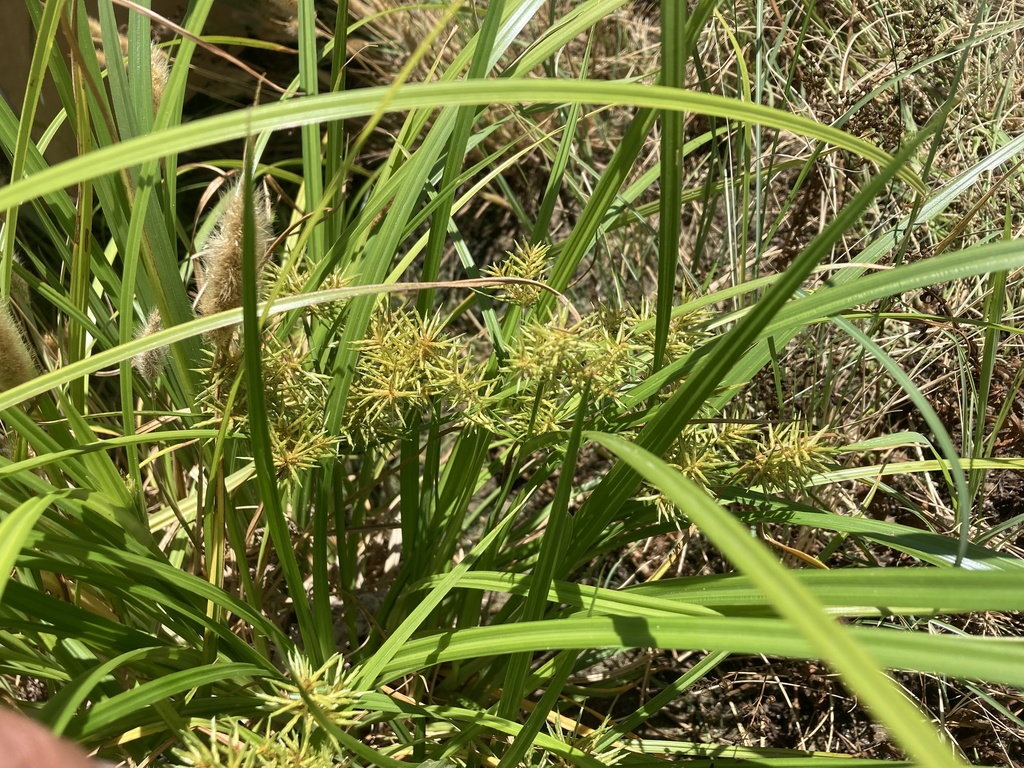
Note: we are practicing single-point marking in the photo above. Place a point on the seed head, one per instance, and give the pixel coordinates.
(528, 261)
(787, 457)
(219, 266)
(160, 72)
(16, 363)
(159, 61)
(150, 364)
(407, 364)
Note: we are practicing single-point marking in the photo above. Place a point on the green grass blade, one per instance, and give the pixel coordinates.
(339, 106)
(557, 532)
(259, 429)
(972, 658)
(616, 487)
(46, 35)
(14, 530)
(848, 592)
(59, 710)
(945, 443)
(674, 55)
(374, 668)
(929, 547)
(795, 603)
(457, 144)
(105, 716)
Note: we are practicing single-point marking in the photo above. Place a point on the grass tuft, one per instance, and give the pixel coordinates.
(540, 383)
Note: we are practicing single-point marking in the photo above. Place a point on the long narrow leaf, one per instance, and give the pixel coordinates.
(827, 639)
(341, 106)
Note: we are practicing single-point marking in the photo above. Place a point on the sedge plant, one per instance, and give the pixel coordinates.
(328, 473)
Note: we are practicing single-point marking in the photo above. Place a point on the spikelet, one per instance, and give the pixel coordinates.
(528, 261)
(19, 288)
(96, 33)
(16, 363)
(160, 71)
(159, 61)
(150, 364)
(219, 266)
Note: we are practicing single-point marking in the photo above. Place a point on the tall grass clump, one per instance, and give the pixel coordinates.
(487, 399)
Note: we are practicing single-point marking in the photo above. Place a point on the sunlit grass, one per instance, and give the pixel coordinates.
(327, 472)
